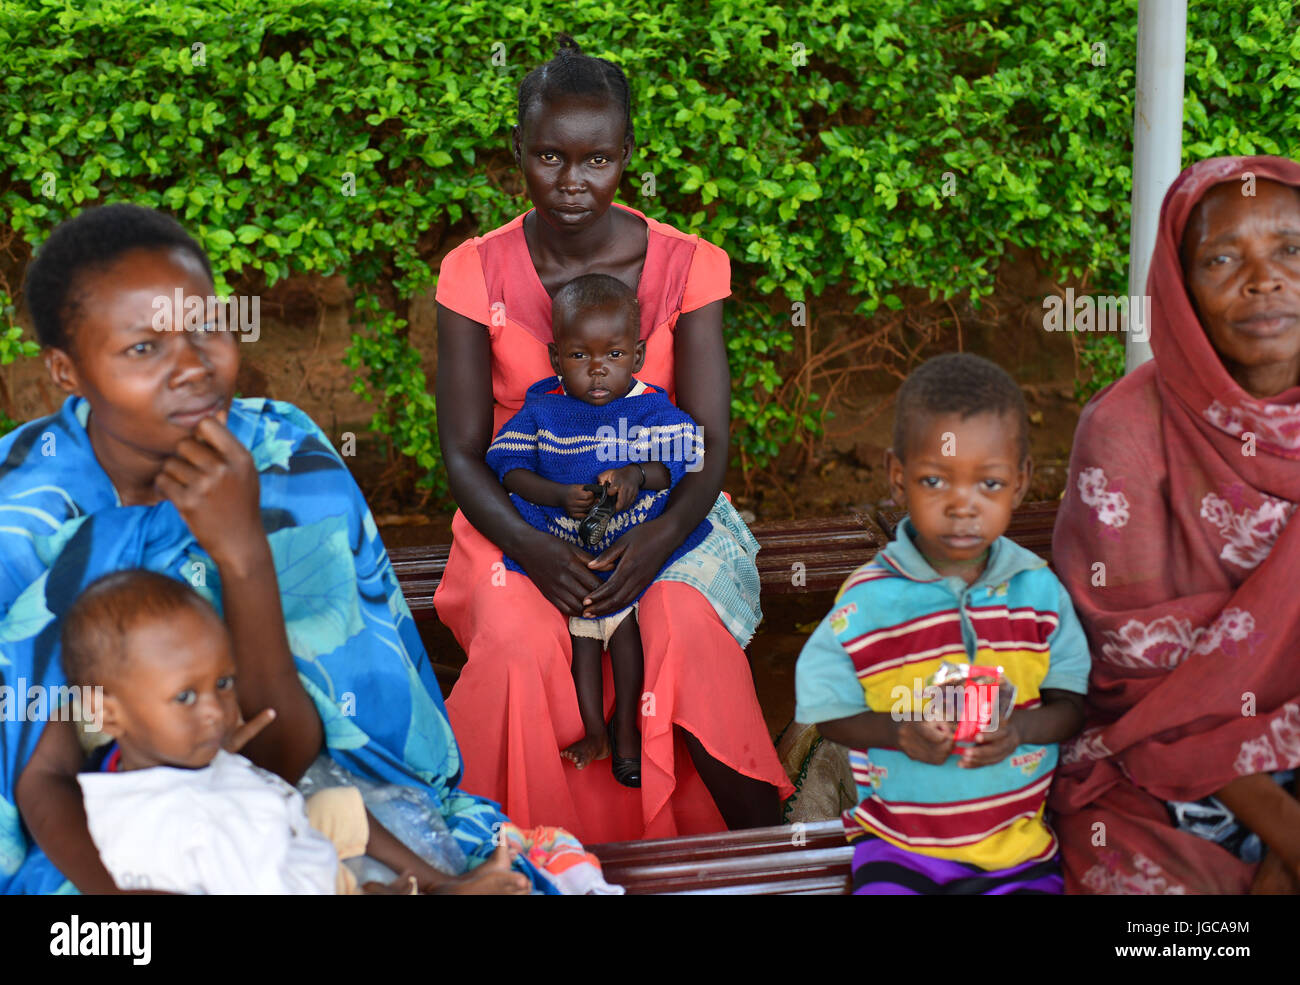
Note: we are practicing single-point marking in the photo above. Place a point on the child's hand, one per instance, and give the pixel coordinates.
(493, 878)
(926, 742)
(578, 501)
(992, 747)
(245, 731)
(212, 482)
(625, 483)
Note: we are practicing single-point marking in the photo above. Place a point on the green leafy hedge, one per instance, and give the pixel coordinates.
(811, 143)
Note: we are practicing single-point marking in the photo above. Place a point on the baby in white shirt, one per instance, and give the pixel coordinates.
(169, 808)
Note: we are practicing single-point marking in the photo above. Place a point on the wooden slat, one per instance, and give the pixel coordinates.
(829, 549)
(807, 859)
(720, 844)
(418, 570)
(814, 555)
(825, 869)
(1031, 527)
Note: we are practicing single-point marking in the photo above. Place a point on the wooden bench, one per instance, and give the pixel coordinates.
(804, 557)
(787, 860)
(796, 557)
(809, 556)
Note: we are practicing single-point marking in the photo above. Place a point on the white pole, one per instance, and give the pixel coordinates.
(1157, 140)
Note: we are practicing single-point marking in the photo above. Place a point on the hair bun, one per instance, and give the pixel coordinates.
(566, 46)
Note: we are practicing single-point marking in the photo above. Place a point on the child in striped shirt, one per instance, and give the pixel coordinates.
(935, 816)
(573, 431)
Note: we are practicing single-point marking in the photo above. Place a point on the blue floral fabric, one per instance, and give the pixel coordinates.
(357, 651)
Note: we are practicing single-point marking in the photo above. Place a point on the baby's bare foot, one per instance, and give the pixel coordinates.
(584, 751)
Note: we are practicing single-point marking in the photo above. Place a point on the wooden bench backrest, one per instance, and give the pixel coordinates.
(796, 557)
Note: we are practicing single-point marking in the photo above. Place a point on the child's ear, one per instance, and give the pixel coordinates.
(894, 474)
(1022, 481)
(112, 715)
(62, 370)
(91, 707)
(554, 353)
(638, 360)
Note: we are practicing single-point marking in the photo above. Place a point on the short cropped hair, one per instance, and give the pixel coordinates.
(91, 241)
(958, 383)
(573, 73)
(96, 626)
(595, 291)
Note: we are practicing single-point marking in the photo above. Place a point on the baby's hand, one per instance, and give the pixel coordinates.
(926, 742)
(245, 731)
(992, 747)
(625, 483)
(578, 501)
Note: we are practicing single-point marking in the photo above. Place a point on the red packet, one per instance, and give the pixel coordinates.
(979, 698)
(981, 692)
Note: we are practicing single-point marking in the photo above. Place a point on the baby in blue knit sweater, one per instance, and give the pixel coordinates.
(574, 430)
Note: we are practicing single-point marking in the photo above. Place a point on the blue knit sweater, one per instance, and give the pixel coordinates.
(567, 440)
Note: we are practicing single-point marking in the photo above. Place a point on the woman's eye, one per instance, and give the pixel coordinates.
(600, 159)
(187, 697)
(225, 683)
(548, 157)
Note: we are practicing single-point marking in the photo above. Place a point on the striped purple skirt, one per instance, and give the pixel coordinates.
(882, 869)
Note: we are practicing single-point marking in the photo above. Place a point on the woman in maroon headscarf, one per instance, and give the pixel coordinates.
(1174, 543)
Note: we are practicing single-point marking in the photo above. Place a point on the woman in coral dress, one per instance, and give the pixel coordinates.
(707, 759)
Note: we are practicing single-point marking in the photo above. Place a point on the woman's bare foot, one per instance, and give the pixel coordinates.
(493, 878)
(588, 750)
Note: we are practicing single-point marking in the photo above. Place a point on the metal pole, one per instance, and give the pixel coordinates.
(1157, 140)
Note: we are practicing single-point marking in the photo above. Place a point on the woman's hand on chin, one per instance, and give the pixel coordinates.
(212, 481)
(560, 572)
(635, 558)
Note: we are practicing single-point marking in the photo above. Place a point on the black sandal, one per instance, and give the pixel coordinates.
(627, 769)
(596, 522)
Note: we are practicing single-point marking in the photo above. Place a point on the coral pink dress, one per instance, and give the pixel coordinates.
(515, 707)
